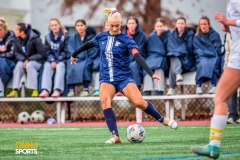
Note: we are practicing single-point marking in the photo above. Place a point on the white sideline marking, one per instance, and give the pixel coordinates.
(52, 129)
(45, 129)
(97, 128)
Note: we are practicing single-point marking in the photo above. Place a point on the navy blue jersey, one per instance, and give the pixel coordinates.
(114, 55)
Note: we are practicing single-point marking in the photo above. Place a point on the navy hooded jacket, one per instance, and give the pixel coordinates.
(34, 48)
(207, 50)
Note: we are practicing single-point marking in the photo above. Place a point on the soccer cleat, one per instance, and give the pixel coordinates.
(1, 94)
(114, 140)
(56, 94)
(171, 92)
(12, 94)
(212, 90)
(84, 94)
(70, 94)
(44, 94)
(96, 93)
(230, 121)
(35, 93)
(170, 123)
(179, 78)
(199, 90)
(209, 151)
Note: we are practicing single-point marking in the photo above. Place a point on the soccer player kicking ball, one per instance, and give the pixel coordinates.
(228, 83)
(115, 74)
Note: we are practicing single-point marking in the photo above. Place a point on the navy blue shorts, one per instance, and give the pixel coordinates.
(120, 85)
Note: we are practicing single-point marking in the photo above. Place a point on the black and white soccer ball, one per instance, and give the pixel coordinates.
(135, 133)
(38, 116)
(23, 117)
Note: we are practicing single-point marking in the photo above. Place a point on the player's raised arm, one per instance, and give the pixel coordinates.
(84, 47)
(139, 59)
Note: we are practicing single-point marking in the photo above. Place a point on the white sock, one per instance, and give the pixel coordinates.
(218, 124)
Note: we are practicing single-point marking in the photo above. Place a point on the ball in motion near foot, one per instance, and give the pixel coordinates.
(135, 133)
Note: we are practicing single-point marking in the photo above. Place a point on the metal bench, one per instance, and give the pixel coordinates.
(189, 79)
(61, 111)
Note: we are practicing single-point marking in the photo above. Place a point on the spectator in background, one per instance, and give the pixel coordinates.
(96, 67)
(232, 102)
(30, 54)
(134, 30)
(180, 52)
(156, 59)
(56, 53)
(6, 55)
(207, 49)
(82, 73)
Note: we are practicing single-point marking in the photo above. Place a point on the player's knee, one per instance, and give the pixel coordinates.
(105, 101)
(140, 103)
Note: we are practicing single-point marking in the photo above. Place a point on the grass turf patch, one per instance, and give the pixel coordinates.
(88, 143)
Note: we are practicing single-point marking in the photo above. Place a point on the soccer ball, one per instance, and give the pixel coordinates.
(23, 117)
(38, 116)
(135, 133)
(51, 121)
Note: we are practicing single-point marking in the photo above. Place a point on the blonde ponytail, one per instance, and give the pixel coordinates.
(112, 13)
(3, 24)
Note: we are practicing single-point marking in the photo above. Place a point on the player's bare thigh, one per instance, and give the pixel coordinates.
(107, 92)
(228, 84)
(134, 95)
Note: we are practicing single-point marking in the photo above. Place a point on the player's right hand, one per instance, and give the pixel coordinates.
(73, 60)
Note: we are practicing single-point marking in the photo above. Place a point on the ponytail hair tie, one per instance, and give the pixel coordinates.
(114, 11)
(26, 25)
(1, 20)
(204, 16)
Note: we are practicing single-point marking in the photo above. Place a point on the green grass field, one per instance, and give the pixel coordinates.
(87, 143)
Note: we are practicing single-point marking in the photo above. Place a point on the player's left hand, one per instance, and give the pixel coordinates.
(220, 18)
(158, 79)
(73, 60)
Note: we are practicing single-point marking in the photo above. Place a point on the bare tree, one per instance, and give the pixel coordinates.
(147, 10)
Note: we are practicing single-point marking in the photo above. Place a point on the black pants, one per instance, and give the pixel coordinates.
(232, 107)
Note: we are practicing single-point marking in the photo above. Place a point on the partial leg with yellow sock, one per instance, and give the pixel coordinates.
(225, 88)
(218, 123)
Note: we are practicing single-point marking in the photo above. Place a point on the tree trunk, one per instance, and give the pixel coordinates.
(153, 11)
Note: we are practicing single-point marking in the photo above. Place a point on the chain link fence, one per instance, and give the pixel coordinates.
(196, 109)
